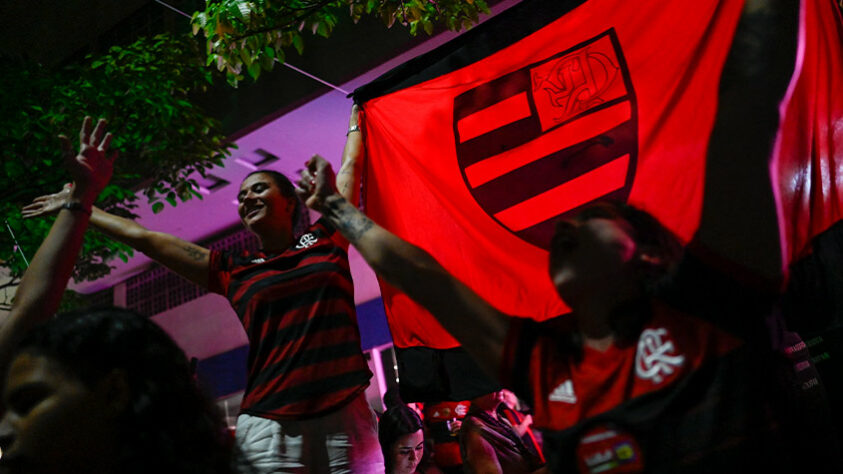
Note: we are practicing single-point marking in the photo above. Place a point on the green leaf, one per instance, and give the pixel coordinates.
(234, 11)
(428, 26)
(245, 55)
(298, 42)
(323, 29)
(245, 10)
(254, 70)
(266, 62)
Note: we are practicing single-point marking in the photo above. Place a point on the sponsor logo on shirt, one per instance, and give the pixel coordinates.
(564, 393)
(607, 449)
(258, 260)
(656, 357)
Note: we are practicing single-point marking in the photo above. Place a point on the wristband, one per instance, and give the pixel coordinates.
(353, 128)
(75, 206)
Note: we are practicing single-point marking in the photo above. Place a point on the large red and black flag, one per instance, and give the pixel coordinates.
(476, 148)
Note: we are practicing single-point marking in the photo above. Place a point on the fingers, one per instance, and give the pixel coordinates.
(85, 131)
(317, 165)
(34, 205)
(106, 141)
(313, 162)
(306, 180)
(99, 131)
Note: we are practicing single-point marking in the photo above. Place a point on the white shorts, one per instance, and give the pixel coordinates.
(345, 441)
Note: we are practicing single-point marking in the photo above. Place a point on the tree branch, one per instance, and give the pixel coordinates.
(307, 12)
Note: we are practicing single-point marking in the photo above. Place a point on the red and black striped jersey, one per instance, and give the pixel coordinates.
(298, 311)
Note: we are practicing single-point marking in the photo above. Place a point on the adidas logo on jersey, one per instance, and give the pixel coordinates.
(564, 393)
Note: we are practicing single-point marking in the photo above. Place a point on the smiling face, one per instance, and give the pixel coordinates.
(53, 422)
(263, 208)
(592, 257)
(407, 452)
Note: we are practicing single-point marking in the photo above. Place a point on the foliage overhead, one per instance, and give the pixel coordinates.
(247, 37)
(144, 90)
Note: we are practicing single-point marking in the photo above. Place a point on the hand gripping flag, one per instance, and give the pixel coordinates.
(476, 148)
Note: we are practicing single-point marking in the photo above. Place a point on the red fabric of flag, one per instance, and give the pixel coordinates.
(809, 156)
(610, 100)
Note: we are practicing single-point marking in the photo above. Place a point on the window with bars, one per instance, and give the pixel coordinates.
(158, 289)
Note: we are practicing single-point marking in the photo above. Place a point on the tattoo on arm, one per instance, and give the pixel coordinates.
(354, 225)
(349, 221)
(194, 253)
(346, 177)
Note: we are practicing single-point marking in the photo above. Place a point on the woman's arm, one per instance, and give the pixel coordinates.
(40, 291)
(476, 324)
(348, 177)
(189, 260)
(739, 218)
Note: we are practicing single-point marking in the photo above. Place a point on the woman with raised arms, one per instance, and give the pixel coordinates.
(304, 408)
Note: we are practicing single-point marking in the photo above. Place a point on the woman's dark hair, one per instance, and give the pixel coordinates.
(169, 424)
(398, 420)
(301, 216)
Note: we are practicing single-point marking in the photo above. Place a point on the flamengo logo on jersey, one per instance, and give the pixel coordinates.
(306, 241)
(564, 393)
(656, 357)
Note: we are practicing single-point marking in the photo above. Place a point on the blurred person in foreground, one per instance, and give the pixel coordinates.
(104, 391)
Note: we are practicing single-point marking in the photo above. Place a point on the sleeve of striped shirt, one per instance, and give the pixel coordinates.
(219, 274)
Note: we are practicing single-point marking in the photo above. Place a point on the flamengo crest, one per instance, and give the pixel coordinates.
(541, 142)
(306, 241)
(656, 357)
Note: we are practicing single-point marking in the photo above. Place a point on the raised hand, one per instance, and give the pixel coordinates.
(317, 183)
(42, 285)
(47, 205)
(90, 168)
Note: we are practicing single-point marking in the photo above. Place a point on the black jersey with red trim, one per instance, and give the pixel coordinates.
(695, 391)
(298, 311)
